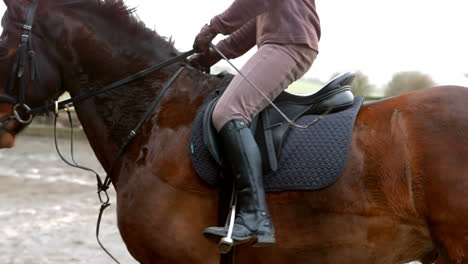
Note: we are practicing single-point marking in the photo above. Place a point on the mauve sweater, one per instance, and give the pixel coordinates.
(250, 22)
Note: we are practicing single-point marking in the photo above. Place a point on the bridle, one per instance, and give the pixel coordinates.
(26, 54)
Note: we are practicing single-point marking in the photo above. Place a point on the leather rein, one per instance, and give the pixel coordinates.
(26, 54)
(24, 113)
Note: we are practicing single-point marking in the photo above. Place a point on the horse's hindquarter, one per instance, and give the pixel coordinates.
(438, 120)
(407, 158)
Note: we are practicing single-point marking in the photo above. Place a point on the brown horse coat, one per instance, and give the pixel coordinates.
(401, 198)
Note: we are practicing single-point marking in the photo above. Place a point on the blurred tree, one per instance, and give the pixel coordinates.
(360, 85)
(466, 75)
(334, 75)
(404, 82)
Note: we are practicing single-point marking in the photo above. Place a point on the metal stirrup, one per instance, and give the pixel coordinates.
(226, 243)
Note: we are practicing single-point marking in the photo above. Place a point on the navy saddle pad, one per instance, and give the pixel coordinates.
(310, 159)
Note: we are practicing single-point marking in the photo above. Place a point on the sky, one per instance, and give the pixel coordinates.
(377, 37)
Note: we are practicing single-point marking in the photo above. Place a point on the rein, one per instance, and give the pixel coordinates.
(79, 98)
(25, 53)
(103, 186)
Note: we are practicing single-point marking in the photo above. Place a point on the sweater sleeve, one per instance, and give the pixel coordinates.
(239, 42)
(239, 13)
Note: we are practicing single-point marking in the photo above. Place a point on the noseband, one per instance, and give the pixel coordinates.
(25, 56)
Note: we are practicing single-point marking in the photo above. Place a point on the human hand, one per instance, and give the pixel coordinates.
(204, 38)
(203, 61)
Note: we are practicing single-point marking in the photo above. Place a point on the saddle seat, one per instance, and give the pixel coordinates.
(270, 128)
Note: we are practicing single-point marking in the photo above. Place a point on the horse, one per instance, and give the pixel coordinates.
(401, 196)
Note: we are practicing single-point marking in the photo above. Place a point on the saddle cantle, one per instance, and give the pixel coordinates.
(293, 159)
(333, 94)
(270, 128)
(333, 97)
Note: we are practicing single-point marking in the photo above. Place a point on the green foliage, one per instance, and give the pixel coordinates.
(404, 82)
(466, 75)
(361, 85)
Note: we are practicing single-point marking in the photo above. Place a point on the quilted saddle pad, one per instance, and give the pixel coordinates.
(310, 159)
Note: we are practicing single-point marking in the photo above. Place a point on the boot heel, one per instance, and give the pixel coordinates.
(265, 241)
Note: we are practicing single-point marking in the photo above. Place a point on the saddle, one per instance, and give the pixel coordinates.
(271, 129)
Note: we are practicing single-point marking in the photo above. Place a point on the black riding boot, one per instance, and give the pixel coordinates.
(253, 221)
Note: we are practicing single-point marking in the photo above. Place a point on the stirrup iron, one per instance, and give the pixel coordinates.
(226, 243)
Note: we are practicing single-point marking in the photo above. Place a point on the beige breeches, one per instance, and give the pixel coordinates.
(272, 69)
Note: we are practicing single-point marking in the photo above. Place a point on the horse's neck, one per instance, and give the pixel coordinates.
(95, 59)
(104, 52)
(169, 132)
(100, 59)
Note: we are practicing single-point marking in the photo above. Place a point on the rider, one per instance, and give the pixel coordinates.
(287, 33)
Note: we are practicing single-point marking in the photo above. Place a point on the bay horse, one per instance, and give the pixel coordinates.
(402, 196)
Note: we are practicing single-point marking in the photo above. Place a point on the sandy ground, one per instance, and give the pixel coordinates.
(48, 210)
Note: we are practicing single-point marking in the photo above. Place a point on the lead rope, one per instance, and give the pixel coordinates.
(286, 118)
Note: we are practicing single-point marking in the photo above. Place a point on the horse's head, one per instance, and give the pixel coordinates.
(29, 74)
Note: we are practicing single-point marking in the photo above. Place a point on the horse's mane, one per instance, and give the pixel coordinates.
(121, 108)
(123, 17)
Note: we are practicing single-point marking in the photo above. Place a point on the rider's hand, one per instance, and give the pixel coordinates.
(204, 38)
(203, 61)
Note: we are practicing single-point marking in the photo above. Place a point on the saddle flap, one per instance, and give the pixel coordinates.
(210, 135)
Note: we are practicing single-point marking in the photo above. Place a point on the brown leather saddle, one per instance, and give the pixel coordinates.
(270, 126)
